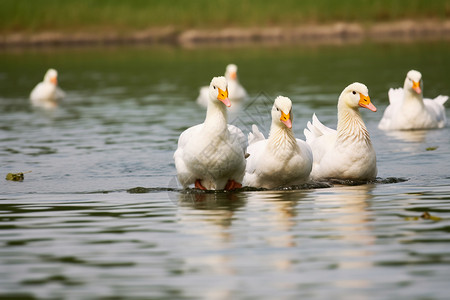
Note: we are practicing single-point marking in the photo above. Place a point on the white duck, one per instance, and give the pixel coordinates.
(47, 94)
(281, 160)
(345, 153)
(211, 155)
(409, 111)
(236, 91)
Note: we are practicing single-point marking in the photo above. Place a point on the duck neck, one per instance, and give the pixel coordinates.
(412, 98)
(216, 117)
(350, 126)
(280, 137)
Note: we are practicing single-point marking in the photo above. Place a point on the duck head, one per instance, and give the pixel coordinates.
(231, 72)
(356, 95)
(51, 76)
(413, 82)
(282, 112)
(218, 91)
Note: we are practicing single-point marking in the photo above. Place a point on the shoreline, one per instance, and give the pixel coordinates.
(398, 31)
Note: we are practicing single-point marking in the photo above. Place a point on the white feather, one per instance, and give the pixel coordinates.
(47, 94)
(281, 160)
(212, 152)
(255, 135)
(408, 110)
(236, 92)
(345, 153)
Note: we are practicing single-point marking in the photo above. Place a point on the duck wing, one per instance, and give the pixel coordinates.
(316, 129)
(320, 138)
(184, 173)
(236, 90)
(255, 151)
(237, 136)
(255, 135)
(395, 100)
(59, 94)
(436, 108)
(305, 149)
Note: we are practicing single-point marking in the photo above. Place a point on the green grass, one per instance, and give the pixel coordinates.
(126, 15)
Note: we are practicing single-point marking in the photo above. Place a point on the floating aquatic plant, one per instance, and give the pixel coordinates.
(426, 216)
(16, 176)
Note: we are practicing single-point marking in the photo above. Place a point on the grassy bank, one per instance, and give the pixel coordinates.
(117, 15)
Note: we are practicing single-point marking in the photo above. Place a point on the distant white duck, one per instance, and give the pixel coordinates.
(47, 94)
(281, 160)
(236, 91)
(409, 111)
(211, 155)
(345, 153)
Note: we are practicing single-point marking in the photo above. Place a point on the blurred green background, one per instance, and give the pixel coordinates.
(123, 16)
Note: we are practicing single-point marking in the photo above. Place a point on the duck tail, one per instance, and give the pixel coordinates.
(441, 99)
(255, 135)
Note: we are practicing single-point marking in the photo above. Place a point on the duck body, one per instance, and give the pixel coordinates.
(281, 160)
(408, 110)
(47, 94)
(236, 91)
(211, 155)
(345, 153)
(200, 156)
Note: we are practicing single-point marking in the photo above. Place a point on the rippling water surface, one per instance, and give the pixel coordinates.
(78, 226)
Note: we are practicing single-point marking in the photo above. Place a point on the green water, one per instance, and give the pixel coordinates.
(75, 228)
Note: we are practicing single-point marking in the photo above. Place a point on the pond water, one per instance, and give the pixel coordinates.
(77, 227)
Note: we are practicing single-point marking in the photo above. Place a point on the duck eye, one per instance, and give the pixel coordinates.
(278, 109)
(354, 93)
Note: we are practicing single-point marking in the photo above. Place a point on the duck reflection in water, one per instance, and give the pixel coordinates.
(276, 224)
(214, 207)
(347, 210)
(414, 136)
(209, 217)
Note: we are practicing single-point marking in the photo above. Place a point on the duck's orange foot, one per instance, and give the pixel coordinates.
(232, 185)
(198, 185)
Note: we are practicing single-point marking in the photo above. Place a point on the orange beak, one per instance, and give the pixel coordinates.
(54, 80)
(416, 87)
(286, 119)
(364, 101)
(233, 75)
(223, 97)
